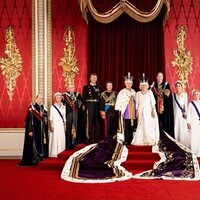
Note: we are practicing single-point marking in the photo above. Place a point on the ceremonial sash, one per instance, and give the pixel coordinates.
(35, 112)
(160, 96)
(59, 112)
(69, 101)
(107, 107)
(182, 109)
(156, 91)
(198, 113)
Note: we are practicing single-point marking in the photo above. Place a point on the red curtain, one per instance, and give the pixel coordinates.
(105, 5)
(125, 45)
(19, 15)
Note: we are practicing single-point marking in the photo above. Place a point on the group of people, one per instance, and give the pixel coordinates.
(139, 116)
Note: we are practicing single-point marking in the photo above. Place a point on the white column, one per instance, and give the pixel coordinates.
(42, 74)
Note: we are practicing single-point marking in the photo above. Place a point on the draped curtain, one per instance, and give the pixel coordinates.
(125, 45)
(106, 11)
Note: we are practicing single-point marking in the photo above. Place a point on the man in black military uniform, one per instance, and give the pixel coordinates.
(107, 109)
(91, 102)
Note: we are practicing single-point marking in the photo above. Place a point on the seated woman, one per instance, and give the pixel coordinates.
(147, 132)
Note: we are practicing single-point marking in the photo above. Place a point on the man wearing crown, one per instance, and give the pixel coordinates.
(125, 104)
(36, 133)
(164, 104)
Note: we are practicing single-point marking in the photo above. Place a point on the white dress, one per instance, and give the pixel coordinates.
(180, 123)
(57, 137)
(193, 120)
(147, 132)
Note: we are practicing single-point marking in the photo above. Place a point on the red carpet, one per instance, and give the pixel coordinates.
(43, 181)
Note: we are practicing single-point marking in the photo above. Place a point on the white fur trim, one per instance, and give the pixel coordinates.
(66, 170)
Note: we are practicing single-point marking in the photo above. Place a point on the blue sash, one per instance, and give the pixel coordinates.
(198, 113)
(59, 113)
(107, 107)
(182, 109)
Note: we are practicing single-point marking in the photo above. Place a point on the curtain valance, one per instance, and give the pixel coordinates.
(105, 11)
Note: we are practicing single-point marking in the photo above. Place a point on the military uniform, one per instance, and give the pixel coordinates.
(91, 102)
(108, 113)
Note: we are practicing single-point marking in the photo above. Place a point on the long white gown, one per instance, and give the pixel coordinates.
(57, 137)
(193, 120)
(180, 123)
(147, 132)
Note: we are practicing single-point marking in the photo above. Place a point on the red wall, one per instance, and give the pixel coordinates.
(18, 14)
(67, 13)
(183, 12)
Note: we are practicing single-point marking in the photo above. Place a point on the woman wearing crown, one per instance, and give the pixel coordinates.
(147, 132)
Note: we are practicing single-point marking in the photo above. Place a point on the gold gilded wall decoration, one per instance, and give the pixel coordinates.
(11, 65)
(183, 58)
(68, 62)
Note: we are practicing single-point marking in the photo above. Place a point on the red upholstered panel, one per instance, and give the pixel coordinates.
(18, 14)
(66, 13)
(183, 12)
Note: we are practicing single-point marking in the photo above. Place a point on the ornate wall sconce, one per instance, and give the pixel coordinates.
(68, 62)
(11, 65)
(183, 58)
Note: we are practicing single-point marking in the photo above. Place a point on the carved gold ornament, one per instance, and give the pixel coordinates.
(11, 65)
(183, 57)
(68, 61)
